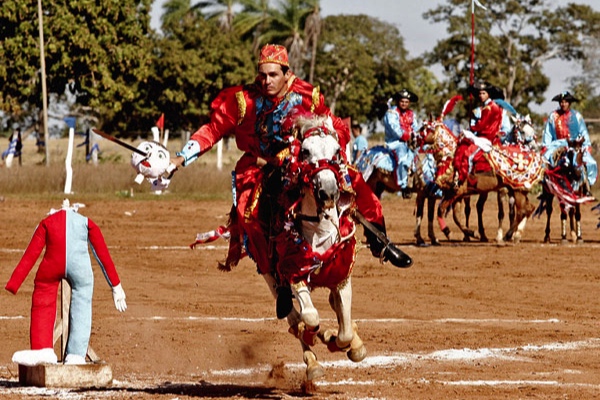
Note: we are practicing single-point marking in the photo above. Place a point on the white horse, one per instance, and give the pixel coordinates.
(317, 246)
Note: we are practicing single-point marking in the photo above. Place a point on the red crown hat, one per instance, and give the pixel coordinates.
(273, 53)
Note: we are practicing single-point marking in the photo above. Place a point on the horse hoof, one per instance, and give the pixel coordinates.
(357, 355)
(564, 241)
(446, 232)
(547, 240)
(484, 239)
(579, 241)
(435, 242)
(314, 372)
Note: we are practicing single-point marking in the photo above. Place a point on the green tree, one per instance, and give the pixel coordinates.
(101, 49)
(176, 12)
(191, 65)
(514, 39)
(287, 28)
(361, 62)
(252, 21)
(219, 10)
(312, 31)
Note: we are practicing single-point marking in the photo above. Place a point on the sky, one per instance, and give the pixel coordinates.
(420, 35)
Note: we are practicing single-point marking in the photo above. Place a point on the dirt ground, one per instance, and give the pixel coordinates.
(467, 321)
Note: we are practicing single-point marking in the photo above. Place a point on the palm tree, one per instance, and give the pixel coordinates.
(221, 10)
(252, 21)
(287, 28)
(312, 30)
(174, 13)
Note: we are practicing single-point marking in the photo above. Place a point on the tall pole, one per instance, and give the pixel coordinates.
(44, 94)
(472, 71)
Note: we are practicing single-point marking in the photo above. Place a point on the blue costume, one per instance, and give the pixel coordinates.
(562, 126)
(359, 146)
(399, 126)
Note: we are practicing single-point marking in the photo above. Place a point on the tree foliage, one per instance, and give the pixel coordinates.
(191, 65)
(513, 40)
(101, 49)
(361, 63)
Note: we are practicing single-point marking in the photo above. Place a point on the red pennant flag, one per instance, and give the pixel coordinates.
(161, 121)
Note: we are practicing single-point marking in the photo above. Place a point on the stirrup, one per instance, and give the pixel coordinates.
(395, 256)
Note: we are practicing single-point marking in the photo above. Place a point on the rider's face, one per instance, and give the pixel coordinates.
(403, 104)
(272, 80)
(564, 105)
(483, 96)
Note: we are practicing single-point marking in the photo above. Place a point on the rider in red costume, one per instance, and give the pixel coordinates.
(253, 113)
(486, 126)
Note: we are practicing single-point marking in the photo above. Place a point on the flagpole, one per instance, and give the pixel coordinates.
(43, 77)
(472, 71)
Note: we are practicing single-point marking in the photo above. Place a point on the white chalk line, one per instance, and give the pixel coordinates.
(387, 361)
(369, 320)
(225, 247)
(447, 355)
(361, 320)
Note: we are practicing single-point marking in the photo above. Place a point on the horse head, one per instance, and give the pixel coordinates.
(523, 131)
(569, 161)
(322, 165)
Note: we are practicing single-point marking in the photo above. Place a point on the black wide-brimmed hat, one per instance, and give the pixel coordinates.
(494, 91)
(405, 94)
(565, 96)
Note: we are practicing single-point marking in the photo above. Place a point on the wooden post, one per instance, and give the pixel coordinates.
(61, 329)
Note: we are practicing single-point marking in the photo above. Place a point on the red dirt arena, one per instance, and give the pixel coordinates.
(466, 321)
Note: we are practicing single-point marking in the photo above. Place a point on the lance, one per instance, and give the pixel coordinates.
(119, 142)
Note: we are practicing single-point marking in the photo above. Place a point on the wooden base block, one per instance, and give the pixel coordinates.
(66, 376)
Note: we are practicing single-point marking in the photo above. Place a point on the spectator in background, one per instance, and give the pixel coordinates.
(359, 144)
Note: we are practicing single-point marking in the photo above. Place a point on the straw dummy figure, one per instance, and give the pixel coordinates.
(66, 236)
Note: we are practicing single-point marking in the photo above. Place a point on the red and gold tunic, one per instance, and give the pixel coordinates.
(255, 122)
(488, 126)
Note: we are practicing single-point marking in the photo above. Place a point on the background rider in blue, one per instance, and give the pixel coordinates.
(359, 143)
(564, 124)
(400, 122)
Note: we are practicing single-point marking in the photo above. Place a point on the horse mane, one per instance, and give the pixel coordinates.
(305, 122)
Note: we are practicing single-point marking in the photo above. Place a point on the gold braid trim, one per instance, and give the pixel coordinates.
(253, 202)
(282, 155)
(315, 98)
(241, 100)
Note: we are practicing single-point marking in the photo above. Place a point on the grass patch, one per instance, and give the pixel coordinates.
(112, 176)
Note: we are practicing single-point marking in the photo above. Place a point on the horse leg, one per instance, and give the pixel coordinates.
(563, 226)
(480, 206)
(523, 210)
(308, 313)
(430, 216)
(467, 233)
(441, 213)
(420, 202)
(304, 331)
(501, 195)
(548, 217)
(579, 238)
(465, 229)
(346, 337)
